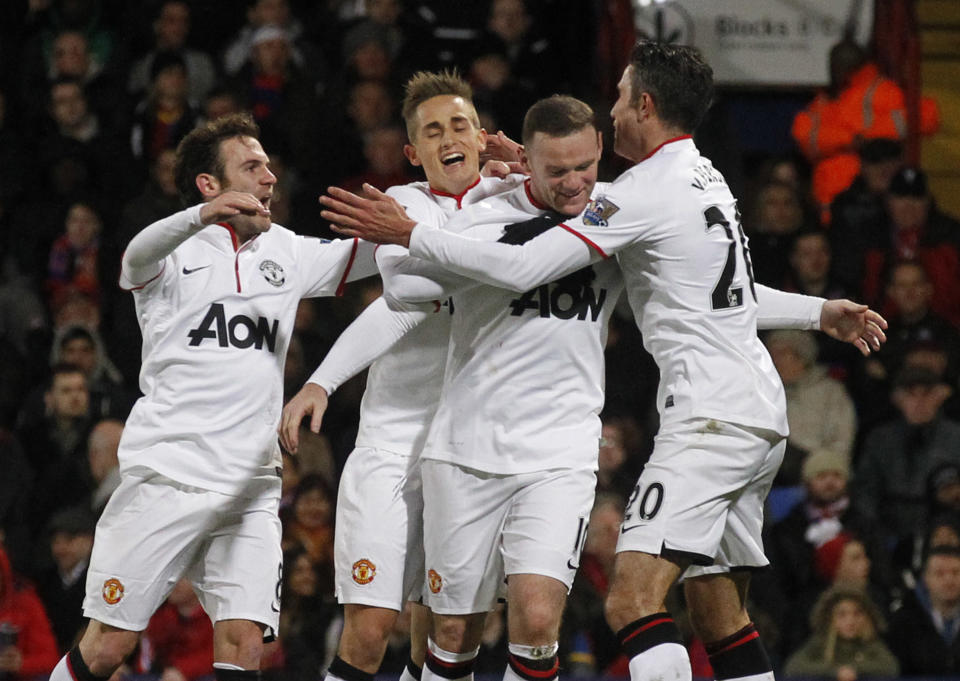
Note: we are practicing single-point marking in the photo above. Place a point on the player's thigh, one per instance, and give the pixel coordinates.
(239, 572)
(741, 544)
(699, 469)
(378, 545)
(546, 525)
(463, 515)
(149, 534)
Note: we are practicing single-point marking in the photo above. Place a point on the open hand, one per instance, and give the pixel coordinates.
(853, 323)
(374, 216)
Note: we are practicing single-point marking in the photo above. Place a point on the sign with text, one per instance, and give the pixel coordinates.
(758, 42)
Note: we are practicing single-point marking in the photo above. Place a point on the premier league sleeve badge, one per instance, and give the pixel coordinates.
(599, 211)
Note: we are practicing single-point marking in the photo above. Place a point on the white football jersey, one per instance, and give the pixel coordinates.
(216, 322)
(675, 229)
(403, 386)
(524, 382)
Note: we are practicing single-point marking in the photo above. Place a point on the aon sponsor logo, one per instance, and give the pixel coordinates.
(240, 331)
(561, 300)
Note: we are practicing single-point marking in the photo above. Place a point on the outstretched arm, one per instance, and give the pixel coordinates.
(371, 335)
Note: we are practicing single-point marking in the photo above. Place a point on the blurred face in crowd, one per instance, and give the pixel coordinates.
(446, 140)
(313, 508)
(850, 621)
(877, 175)
(171, 83)
(266, 12)
(68, 396)
(67, 105)
(910, 290)
(69, 550)
(948, 495)
(383, 149)
(383, 11)
(907, 212)
(563, 170)
(810, 257)
(70, 55)
(371, 60)
(163, 172)
(509, 19)
(827, 487)
(920, 404)
(303, 576)
(944, 534)
(603, 532)
(788, 362)
(81, 352)
(172, 26)
(854, 564)
(82, 226)
(370, 106)
(942, 577)
(270, 57)
(779, 210)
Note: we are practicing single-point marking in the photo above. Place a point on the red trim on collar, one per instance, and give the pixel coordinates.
(663, 144)
(233, 235)
(458, 197)
(341, 287)
(531, 198)
(584, 239)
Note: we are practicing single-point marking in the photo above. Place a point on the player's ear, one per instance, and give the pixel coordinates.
(410, 152)
(208, 184)
(524, 161)
(599, 143)
(482, 139)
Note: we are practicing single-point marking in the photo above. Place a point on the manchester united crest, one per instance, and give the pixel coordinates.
(598, 211)
(112, 591)
(273, 273)
(435, 581)
(364, 571)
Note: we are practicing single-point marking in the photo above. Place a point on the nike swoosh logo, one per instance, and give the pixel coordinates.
(624, 530)
(571, 566)
(272, 606)
(195, 269)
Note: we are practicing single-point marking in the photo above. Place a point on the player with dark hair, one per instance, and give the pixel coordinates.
(674, 227)
(216, 288)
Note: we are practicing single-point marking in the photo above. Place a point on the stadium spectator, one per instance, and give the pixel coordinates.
(386, 164)
(858, 104)
(27, 646)
(532, 58)
(776, 217)
(171, 28)
(845, 644)
(61, 587)
(178, 642)
(164, 115)
(74, 264)
(917, 230)
(80, 346)
(925, 632)
(311, 523)
(276, 13)
(102, 446)
(819, 409)
(859, 213)
(898, 457)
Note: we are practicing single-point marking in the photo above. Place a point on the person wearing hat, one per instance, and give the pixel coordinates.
(925, 632)
(916, 229)
(62, 586)
(897, 457)
(805, 546)
(845, 643)
(857, 211)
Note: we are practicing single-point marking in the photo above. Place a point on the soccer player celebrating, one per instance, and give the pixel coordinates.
(216, 288)
(697, 509)
(378, 551)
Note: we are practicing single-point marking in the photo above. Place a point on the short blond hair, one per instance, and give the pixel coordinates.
(424, 85)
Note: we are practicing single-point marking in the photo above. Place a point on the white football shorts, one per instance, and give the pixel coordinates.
(480, 528)
(701, 494)
(378, 544)
(154, 531)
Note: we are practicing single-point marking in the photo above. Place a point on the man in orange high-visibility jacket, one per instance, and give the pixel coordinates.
(860, 103)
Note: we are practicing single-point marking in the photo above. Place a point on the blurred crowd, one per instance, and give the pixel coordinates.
(863, 526)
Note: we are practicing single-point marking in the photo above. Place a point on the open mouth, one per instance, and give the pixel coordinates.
(455, 157)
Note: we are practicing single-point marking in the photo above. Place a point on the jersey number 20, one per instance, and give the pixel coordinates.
(724, 296)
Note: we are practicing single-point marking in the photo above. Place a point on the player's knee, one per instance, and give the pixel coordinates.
(452, 634)
(539, 623)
